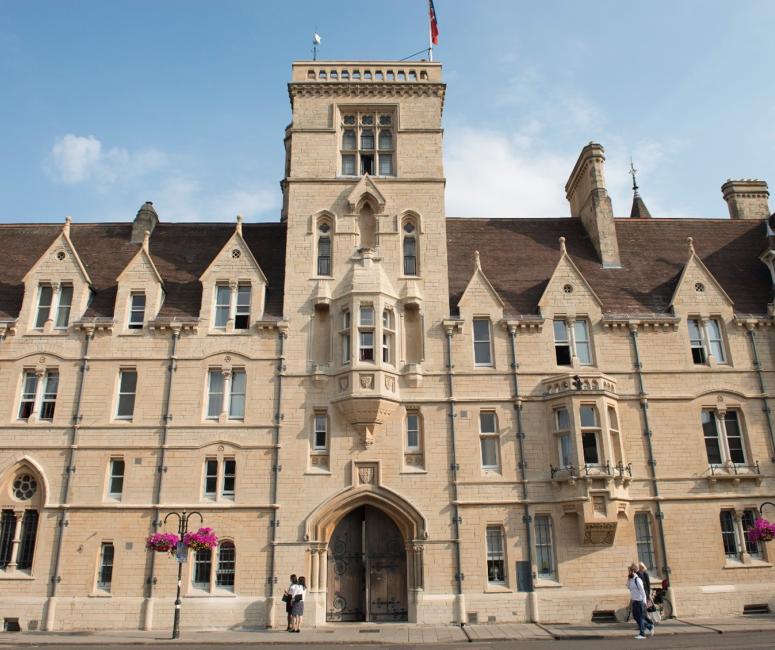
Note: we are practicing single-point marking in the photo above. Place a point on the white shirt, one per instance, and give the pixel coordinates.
(295, 590)
(635, 585)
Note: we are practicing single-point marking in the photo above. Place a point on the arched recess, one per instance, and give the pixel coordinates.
(322, 521)
(17, 466)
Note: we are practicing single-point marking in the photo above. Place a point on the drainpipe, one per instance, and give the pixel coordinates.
(644, 406)
(461, 609)
(522, 465)
(62, 521)
(760, 374)
(276, 467)
(150, 581)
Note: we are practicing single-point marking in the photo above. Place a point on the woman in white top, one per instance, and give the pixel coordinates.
(638, 600)
(297, 593)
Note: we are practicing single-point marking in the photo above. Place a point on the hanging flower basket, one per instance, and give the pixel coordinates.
(162, 542)
(202, 539)
(762, 531)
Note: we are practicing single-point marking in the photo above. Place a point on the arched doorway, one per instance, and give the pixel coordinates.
(366, 569)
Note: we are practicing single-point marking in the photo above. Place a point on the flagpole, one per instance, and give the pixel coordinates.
(430, 34)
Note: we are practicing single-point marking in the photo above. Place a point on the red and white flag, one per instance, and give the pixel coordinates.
(434, 23)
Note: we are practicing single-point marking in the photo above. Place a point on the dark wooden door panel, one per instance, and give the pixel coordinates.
(346, 571)
(386, 561)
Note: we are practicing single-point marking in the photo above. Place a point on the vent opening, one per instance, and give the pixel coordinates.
(473, 618)
(604, 616)
(11, 625)
(756, 608)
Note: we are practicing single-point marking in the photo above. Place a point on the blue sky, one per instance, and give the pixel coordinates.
(108, 104)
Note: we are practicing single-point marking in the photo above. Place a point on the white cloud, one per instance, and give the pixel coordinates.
(78, 159)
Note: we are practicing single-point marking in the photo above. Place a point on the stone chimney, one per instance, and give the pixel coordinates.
(146, 219)
(589, 201)
(746, 198)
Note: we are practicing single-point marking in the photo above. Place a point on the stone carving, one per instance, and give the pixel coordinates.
(367, 381)
(600, 533)
(343, 383)
(390, 383)
(366, 475)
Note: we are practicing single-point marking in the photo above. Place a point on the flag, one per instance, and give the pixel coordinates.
(434, 23)
(316, 39)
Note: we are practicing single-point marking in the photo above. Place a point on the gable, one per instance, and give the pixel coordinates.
(697, 289)
(366, 187)
(234, 260)
(140, 268)
(479, 294)
(567, 289)
(59, 261)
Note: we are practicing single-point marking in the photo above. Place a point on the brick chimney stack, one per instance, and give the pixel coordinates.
(747, 199)
(589, 201)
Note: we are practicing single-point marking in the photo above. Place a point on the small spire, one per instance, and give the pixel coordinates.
(66, 227)
(690, 241)
(239, 225)
(477, 261)
(563, 250)
(147, 241)
(639, 209)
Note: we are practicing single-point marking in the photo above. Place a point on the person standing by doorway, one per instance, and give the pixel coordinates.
(638, 600)
(288, 600)
(298, 592)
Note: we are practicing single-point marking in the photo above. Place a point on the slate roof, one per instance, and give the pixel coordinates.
(180, 251)
(518, 256)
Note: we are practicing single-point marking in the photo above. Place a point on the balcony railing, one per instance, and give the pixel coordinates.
(620, 470)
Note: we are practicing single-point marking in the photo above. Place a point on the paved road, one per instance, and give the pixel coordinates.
(731, 641)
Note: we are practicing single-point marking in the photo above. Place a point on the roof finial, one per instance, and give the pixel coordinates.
(477, 261)
(66, 227)
(690, 241)
(239, 225)
(563, 250)
(632, 173)
(147, 241)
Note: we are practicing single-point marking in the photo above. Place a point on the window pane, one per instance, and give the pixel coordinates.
(28, 537)
(588, 416)
(237, 401)
(734, 437)
(137, 311)
(412, 431)
(729, 534)
(224, 575)
(385, 139)
(242, 310)
(45, 294)
(229, 476)
(105, 577)
(367, 139)
(48, 401)
(65, 302)
(566, 454)
(643, 539)
(753, 548)
(544, 546)
(324, 256)
(482, 355)
(367, 316)
(560, 331)
(128, 381)
(202, 568)
(367, 346)
(410, 256)
(714, 338)
(116, 477)
(348, 140)
(386, 164)
(581, 334)
(496, 564)
(348, 165)
(561, 419)
(321, 428)
(489, 451)
(215, 394)
(7, 530)
(29, 390)
(222, 305)
(696, 342)
(487, 422)
(211, 476)
(710, 432)
(126, 395)
(589, 441)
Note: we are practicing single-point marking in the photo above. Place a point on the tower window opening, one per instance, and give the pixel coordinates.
(367, 144)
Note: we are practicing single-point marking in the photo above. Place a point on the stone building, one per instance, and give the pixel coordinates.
(432, 419)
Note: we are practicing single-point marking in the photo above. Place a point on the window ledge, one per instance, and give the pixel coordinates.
(545, 583)
(497, 589)
(315, 471)
(214, 594)
(15, 575)
(132, 333)
(755, 564)
(408, 469)
(100, 594)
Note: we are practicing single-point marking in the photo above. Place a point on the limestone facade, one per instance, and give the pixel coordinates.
(523, 399)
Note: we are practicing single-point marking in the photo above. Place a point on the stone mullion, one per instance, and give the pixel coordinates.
(17, 531)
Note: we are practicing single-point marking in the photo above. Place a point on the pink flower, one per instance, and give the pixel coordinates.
(202, 539)
(162, 542)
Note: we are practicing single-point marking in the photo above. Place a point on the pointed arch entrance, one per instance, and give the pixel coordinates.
(367, 551)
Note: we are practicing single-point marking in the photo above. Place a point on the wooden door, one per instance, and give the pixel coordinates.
(345, 600)
(386, 566)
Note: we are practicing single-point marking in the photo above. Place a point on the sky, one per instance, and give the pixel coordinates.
(182, 102)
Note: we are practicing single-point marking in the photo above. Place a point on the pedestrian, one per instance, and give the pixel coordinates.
(298, 592)
(638, 600)
(288, 600)
(643, 574)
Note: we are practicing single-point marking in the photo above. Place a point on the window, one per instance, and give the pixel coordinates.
(410, 248)
(45, 298)
(544, 547)
(203, 565)
(116, 478)
(388, 336)
(561, 343)
(344, 336)
(482, 348)
(65, 303)
(590, 434)
(242, 310)
(566, 347)
(705, 339)
(366, 334)
(368, 145)
(613, 430)
(496, 559)
(237, 401)
(324, 248)
(729, 534)
(136, 311)
(226, 469)
(49, 383)
(412, 432)
(753, 549)
(27, 542)
(224, 575)
(7, 530)
(320, 434)
(643, 539)
(214, 393)
(127, 388)
(489, 439)
(564, 444)
(723, 437)
(222, 305)
(105, 576)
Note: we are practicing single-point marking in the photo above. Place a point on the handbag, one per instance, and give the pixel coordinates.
(650, 606)
(286, 598)
(297, 598)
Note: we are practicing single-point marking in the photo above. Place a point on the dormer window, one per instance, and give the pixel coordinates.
(222, 305)
(57, 299)
(65, 304)
(238, 295)
(242, 313)
(45, 298)
(136, 311)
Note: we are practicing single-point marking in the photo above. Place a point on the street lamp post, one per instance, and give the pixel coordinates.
(183, 518)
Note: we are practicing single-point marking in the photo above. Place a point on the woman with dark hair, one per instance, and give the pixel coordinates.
(288, 600)
(297, 612)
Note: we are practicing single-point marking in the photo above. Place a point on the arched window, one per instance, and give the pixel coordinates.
(324, 248)
(227, 561)
(23, 492)
(410, 248)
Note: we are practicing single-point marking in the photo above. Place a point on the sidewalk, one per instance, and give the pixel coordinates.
(395, 633)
